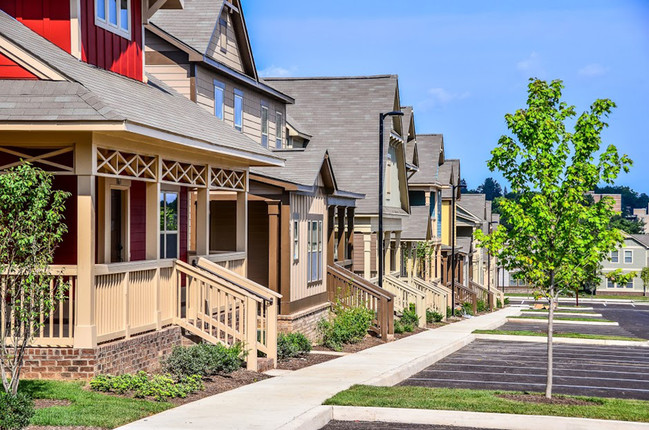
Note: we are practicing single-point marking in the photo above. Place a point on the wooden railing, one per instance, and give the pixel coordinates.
(350, 290)
(57, 326)
(437, 296)
(465, 295)
(481, 292)
(233, 261)
(221, 306)
(406, 294)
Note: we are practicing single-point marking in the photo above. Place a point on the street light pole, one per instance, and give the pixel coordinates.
(453, 251)
(382, 116)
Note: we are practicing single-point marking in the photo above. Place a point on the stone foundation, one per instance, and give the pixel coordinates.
(142, 352)
(305, 322)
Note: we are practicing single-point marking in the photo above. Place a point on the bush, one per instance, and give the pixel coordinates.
(506, 300)
(349, 325)
(467, 308)
(408, 327)
(499, 304)
(398, 327)
(204, 360)
(292, 345)
(410, 317)
(449, 312)
(15, 411)
(160, 387)
(481, 306)
(433, 316)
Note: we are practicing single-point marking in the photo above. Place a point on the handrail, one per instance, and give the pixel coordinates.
(260, 289)
(254, 293)
(363, 283)
(195, 270)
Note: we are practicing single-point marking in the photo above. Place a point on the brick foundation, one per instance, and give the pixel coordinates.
(142, 352)
(617, 293)
(305, 322)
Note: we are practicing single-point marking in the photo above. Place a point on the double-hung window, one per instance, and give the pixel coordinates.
(296, 240)
(628, 256)
(223, 34)
(219, 99)
(629, 284)
(114, 16)
(314, 232)
(238, 109)
(610, 284)
(169, 224)
(264, 126)
(615, 256)
(279, 130)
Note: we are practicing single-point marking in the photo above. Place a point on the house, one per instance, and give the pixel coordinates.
(143, 164)
(642, 214)
(633, 256)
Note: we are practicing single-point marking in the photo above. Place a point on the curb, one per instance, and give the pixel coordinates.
(478, 419)
(564, 314)
(540, 320)
(567, 340)
(315, 418)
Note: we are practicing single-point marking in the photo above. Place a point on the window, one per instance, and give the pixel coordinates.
(629, 284)
(614, 256)
(314, 231)
(168, 224)
(296, 241)
(279, 130)
(628, 256)
(219, 99)
(264, 126)
(610, 284)
(388, 174)
(118, 228)
(238, 109)
(223, 34)
(114, 16)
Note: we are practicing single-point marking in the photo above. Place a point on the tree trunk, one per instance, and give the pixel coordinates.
(548, 384)
(577, 302)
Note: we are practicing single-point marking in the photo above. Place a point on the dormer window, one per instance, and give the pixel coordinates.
(114, 16)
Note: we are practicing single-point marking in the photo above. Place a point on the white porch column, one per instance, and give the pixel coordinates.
(242, 225)
(397, 251)
(386, 252)
(367, 255)
(203, 221)
(152, 220)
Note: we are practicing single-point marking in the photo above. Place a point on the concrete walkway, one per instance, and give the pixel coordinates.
(288, 401)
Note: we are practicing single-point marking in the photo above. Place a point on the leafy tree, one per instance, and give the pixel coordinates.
(31, 227)
(555, 235)
(620, 278)
(631, 226)
(644, 275)
(490, 188)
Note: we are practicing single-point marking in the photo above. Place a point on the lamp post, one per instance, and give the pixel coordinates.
(453, 249)
(382, 116)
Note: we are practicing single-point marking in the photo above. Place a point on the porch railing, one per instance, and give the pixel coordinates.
(437, 296)
(57, 326)
(465, 295)
(482, 293)
(349, 290)
(405, 294)
(233, 261)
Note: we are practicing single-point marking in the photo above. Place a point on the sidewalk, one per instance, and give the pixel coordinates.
(277, 402)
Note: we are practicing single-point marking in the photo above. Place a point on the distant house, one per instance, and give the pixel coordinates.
(642, 214)
(633, 256)
(617, 200)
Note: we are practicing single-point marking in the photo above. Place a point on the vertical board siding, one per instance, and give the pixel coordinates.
(66, 253)
(183, 208)
(138, 221)
(49, 18)
(108, 50)
(11, 70)
(304, 206)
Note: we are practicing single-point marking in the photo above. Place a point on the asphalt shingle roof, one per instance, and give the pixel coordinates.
(341, 113)
(116, 98)
(450, 167)
(642, 238)
(429, 147)
(475, 204)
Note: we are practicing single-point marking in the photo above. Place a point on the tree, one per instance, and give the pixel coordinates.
(491, 189)
(31, 227)
(631, 226)
(619, 278)
(644, 275)
(555, 236)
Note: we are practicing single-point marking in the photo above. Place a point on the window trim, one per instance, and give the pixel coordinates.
(237, 94)
(264, 107)
(175, 191)
(630, 251)
(106, 25)
(615, 259)
(221, 86)
(223, 34)
(296, 240)
(318, 222)
(279, 130)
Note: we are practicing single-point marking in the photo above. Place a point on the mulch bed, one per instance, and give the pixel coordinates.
(538, 398)
(297, 363)
(368, 341)
(219, 384)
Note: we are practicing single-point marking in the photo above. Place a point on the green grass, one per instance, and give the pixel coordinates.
(485, 401)
(570, 335)
(565, 311)
(588, 296)
(543, 317)
(87, 408)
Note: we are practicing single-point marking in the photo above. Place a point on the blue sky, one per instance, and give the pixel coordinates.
(464, 64)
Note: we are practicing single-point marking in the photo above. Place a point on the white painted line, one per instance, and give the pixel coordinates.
(540, 320)
(565, 314)
(563, 340)
(557, 367)
(478, 419)
(614, 363)
(533, 375)
(557, 354)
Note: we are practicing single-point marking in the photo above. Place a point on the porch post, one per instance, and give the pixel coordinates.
(203, 221)
(397, 252)
(331, 211)
(350, 238)
(367, 254)
(85, 333)
(342, 243)
(152, 220)
(273, 245)
(242, 226)
(385, 252)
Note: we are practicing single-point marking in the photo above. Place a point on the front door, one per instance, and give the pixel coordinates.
(117, 227)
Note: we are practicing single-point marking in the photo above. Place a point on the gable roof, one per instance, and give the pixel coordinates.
(475, 204)
(342, 114)
(643, 239)
(449, 174)
(136, 106)
(415, 226)
(429, 148)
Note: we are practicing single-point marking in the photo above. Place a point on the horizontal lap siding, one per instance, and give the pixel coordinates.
(231, 57)
(49, 18)
(167, 63)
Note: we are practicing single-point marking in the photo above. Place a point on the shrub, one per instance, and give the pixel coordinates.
(481, 306)
(408, 327)
(409, 316)
(433, 316)
(398, 327)
(449, 311)
(506, 300)
(349, 325)
(15, 411)
(160, 387)
(499, 304)
(467, 308)
(204, 360)
(292, 345)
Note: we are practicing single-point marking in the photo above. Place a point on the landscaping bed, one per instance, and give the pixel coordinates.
(220, 383)
(296, 363)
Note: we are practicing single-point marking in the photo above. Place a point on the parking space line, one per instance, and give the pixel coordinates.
(640, 390)
(557, 367)
(534, 375)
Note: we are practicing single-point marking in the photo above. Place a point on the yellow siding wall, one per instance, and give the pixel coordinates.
(446, 222)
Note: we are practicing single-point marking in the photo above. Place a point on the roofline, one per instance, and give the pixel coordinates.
(328, 78)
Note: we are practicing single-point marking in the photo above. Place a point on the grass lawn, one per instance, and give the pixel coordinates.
(485, 401)
(571, 335)
(544, 317)
(87, 408)
(565, 311)
(598, 296)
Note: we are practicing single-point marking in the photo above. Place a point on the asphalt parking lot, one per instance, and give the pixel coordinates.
(602, 371)
(568, 328)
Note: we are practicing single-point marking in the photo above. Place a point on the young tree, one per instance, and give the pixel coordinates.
(555, 236)
(31, 227)
(644, 275)
(620, 278)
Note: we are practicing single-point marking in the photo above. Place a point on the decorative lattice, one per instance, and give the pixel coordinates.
(55, 160)
(224, 179)
(183, 173)
(118, 163)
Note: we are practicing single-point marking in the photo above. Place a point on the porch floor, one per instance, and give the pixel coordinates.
(276, 402)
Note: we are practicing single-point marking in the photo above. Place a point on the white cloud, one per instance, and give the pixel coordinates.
(276, 71)
(442, 97)
(593, 70)
(531, 65)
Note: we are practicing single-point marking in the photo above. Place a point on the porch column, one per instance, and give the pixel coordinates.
(386, 252)
(203, 221)
(85, 332)
(152, 220)
(367, 254)
(342, 242)
(331, 212)
(350, 237)
(242, 226)
(273, 245)
(397, 252)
